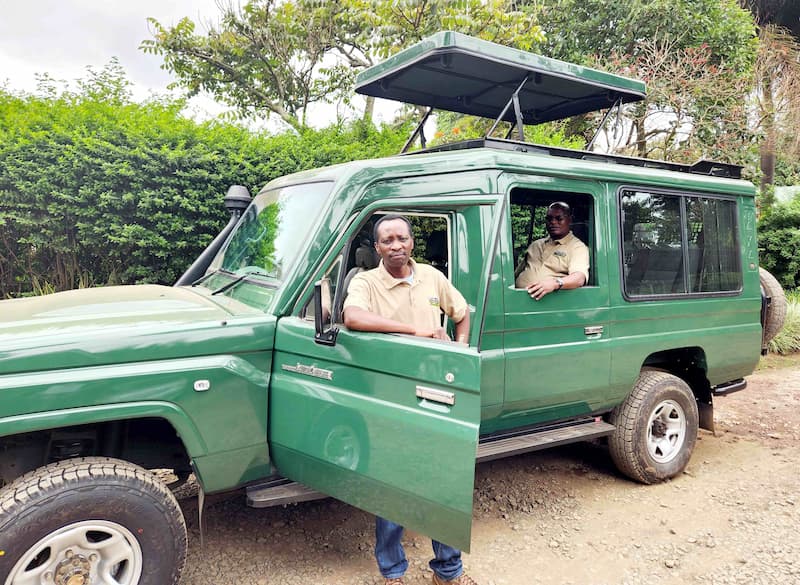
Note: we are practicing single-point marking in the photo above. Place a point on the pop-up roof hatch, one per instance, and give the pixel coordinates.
(458, 73)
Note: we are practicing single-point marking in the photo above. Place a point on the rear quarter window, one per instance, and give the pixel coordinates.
(678, 244)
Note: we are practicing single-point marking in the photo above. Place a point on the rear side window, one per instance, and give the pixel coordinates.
(678, 244)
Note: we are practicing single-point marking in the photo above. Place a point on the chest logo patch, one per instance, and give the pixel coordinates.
(434, 301)
(560, 253)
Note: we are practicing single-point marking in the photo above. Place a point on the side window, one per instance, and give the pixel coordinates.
(678, 244)
(713, 247)
(528, 211)
(652, 244)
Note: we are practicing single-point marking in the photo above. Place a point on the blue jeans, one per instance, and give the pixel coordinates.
(392, 560)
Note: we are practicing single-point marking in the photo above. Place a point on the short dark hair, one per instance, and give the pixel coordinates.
(561, 205)
(391, 217)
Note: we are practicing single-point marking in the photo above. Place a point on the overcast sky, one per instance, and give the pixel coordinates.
(63, 37)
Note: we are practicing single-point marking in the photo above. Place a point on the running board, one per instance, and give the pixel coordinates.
(279, 492)
(543, 439)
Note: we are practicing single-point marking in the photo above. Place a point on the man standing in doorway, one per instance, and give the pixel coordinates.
(401, 296)
(558, 261)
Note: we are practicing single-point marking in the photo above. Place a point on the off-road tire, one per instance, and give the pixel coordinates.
(776, 310)
(94, 500)
(656, 398)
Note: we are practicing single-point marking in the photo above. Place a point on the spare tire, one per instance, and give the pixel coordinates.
(774, 312)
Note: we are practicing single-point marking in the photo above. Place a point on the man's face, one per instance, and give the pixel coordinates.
(558, 222)
(394, 243)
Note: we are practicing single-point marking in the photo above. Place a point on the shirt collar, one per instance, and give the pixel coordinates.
(563, 241)
(390, 281)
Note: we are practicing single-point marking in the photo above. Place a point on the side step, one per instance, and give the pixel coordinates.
(278, 492)
(505, 446)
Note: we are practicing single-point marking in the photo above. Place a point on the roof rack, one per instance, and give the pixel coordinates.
(701, 167)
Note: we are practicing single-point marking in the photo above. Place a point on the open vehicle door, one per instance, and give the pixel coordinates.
(388, 423)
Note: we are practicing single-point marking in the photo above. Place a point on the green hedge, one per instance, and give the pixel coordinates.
(95, 189)
(779, 243)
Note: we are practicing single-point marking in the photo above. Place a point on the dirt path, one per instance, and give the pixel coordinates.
(563, 516)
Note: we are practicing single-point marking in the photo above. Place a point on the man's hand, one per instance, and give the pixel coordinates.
(538, 289)
(438, 333)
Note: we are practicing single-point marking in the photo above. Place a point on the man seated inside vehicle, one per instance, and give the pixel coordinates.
(558, 261)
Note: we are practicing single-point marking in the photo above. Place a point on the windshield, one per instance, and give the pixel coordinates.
(272, 230)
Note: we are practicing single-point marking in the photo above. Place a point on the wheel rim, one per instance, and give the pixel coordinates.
(90, 552)
(666, 431)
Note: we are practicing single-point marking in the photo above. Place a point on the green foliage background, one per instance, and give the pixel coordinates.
(779, 242)
(96, 189)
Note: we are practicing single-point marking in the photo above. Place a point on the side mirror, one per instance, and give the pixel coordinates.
(322, 313)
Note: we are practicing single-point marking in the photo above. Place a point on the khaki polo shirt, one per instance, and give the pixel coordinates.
(419, 304)
(555, 258)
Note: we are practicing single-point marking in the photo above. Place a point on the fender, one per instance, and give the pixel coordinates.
(217, 404)
(40, 421)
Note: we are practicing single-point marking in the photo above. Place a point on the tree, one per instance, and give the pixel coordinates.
(271, 56)
(777, 102)
(781, 13)
(694, 108)
(577, 30)
(279, 57)
(397, 24)
(696, 57)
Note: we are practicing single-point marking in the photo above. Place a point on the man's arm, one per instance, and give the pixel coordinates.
(547, 285)
(359, 319)
(462, 329)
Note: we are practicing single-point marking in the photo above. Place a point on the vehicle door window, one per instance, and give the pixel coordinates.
(528, 211)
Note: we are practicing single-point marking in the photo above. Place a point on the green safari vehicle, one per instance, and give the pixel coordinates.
(244, 375)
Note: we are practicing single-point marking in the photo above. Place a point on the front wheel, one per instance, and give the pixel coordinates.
(655, 428)
(92, 520)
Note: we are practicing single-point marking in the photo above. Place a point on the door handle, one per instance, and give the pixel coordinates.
(435, 395)
(593, 330)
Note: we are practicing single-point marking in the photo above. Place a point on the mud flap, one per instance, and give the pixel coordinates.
(706, 413)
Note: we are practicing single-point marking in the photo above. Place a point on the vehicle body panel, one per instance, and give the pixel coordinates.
(364, 435)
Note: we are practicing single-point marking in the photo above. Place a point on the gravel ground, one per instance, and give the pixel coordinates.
(563, 516)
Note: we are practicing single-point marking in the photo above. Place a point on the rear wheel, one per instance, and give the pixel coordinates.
(92, 520)
(775, 313)
(655, 428)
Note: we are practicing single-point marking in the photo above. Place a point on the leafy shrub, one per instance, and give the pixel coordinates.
(779, 243)
(97, 189)
(788, 339)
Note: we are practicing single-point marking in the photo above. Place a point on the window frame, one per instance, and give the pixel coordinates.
(682, 196)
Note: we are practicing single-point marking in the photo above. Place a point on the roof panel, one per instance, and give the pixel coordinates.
(454, 72)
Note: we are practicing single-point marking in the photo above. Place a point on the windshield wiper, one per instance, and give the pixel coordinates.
(239, 279)
(230, 285)
(204, 278)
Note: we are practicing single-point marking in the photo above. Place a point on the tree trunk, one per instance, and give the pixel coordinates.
(369, 109)
(641, 138)
(768, 146)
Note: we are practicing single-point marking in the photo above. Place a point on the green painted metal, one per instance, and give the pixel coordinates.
(97, 326)
(118, 353)
(365, 437)
(454, 72)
